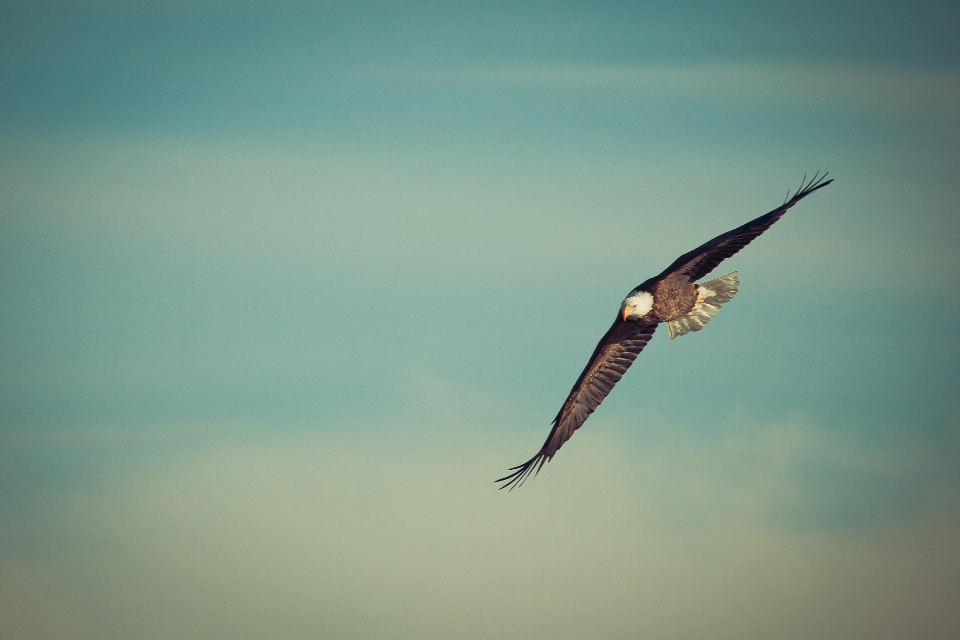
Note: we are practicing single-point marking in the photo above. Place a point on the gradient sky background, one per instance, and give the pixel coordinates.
(283, 290)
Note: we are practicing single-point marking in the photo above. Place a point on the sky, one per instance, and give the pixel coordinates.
(284, 288)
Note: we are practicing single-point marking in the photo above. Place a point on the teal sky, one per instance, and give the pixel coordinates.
(284, 289)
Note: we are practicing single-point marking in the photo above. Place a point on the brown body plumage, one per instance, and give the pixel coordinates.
(673, 297)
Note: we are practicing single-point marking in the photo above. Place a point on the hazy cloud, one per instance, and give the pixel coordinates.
(313, 535)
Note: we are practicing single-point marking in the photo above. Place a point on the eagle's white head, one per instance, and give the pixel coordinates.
(636, 305)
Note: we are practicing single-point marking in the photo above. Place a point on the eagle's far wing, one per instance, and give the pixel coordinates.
(614, 354)
(705, 258)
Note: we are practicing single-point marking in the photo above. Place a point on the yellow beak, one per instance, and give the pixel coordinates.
(626, 312)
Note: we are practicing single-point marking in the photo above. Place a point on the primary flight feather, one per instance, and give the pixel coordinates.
(672, 297)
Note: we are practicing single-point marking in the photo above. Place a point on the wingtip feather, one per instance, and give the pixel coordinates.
(807, 187)
(522, 472)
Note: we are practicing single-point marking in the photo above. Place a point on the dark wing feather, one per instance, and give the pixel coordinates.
(705, 258)
(614, 354)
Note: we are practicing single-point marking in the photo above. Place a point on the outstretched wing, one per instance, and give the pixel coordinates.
(704, 259)
(616, 351)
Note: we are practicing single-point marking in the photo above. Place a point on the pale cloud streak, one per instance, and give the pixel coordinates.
(887, 90)
(350, 213)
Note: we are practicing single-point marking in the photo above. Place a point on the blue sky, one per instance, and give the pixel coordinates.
(283, 290)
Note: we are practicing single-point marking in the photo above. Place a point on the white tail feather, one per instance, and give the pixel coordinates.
(714, 294)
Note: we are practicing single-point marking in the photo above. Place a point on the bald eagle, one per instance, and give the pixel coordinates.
(673, 297)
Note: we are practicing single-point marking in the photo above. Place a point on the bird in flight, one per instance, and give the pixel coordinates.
(673, 297)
